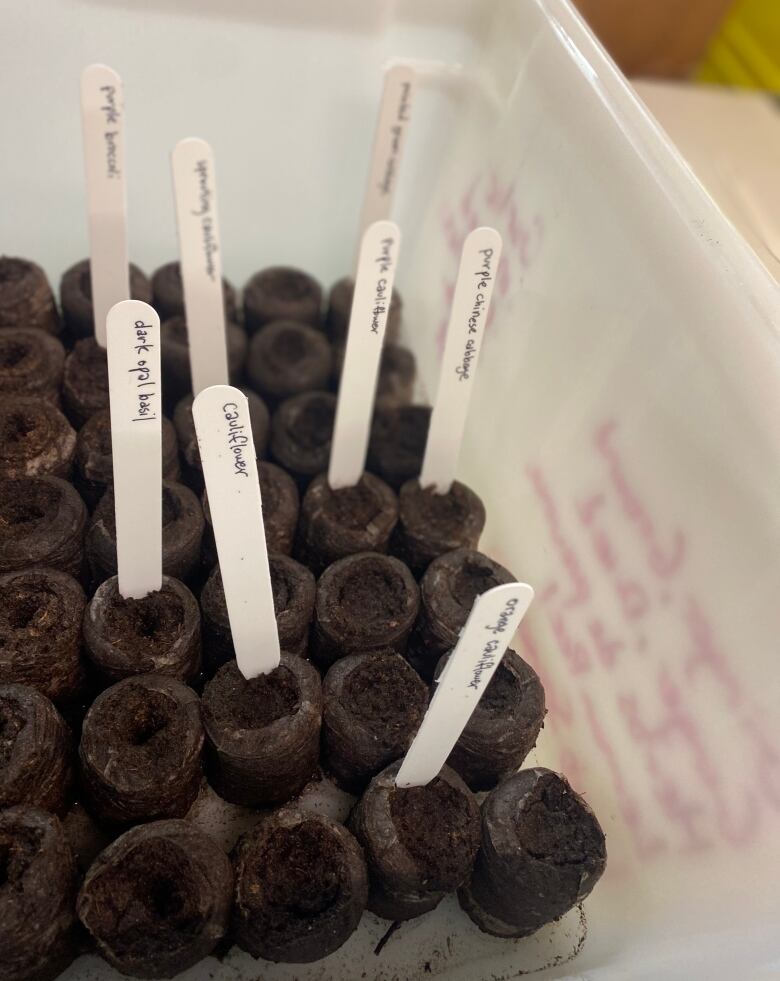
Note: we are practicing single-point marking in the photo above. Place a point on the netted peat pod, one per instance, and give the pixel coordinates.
(42, 523)
(38, 887)
(287, 358)
(175, 356)
(157, 900)
(281, 293)
(26, 298)
(542, 852)
(301, 434)
(36, 439)
(301, 887)
(76, 296)
(85, 381)
(36, 751)
(40, 632)
(140, 750)
(397, 444)
(373, 705)
(293, 589)
(420, 842)
(504, 727)
(168, 293)
(263, 734)
(31, 364)
(157, 634)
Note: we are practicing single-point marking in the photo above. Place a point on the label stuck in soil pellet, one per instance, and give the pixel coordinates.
(494, 618)
(195, 192)
(102, 122)
(136, 437)
(227, 452)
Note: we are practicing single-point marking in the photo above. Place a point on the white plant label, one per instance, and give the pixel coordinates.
(103, 124)
(395, 111)
(195, 193)
(488, 632)
(479, 261)
(133, 334)
(367, 320)
(227, 452)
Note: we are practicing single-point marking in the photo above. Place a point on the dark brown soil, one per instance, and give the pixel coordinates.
(436, 826)
(469, 582)
(147, 727)
(385, 696)
(376, 595)
(299, 871)
(554, 828)
(26, 504)
(312, 427)
(141, 625)
(12, 721)
(501, 694)
(254, 704)
(355, 507)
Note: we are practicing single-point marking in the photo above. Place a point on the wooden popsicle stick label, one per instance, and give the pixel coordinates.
(195, 193)
(227, 452)
(365, 337)
(479, 261)
(102, 123)
(395, 111)
(489, 630)
(133, 334)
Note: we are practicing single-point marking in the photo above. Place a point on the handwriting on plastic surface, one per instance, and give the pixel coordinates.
(697, 801)
(145, 382)
(110, 110)
(402, 114)
(237, 439)
(205, 213)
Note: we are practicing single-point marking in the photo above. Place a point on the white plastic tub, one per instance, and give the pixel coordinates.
(624, 430)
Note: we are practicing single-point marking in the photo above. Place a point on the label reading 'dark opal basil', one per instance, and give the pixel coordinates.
(489, 630)
(195, 192)
(102, 120)
(227, 452)
(133, 335)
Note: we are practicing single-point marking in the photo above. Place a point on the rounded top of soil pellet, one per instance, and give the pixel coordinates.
(536, 812)
(243, 716)
(94, 455)
(293, 587)
(145, 724)
(513, 695)
(31, 360)
(452, 583)
(301, 432)
(366, 600)
(26, 299)
(35, 438)
(380, 693)
(287, 357)
(157, 899)
(168, 292)
(443, 519)
(158, 634)
(180, 510)
(85, 380)
(282, 293)
(40, 518)
(259, 418)
(413, 834)
(301, 886)
(76, 295)
(397, 443)
(40, 615)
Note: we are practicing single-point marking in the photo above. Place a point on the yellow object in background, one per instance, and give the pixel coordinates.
(746, 49)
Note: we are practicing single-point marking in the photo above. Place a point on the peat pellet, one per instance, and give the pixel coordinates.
(157, 900)
(420, 842)
(182, 532)
(85, 381)
(37, 896)
(373, 705)
(397, 443)
(365, 602)
(281, 505)
(287, 358)
(263, 734)
(168, 293)
(301, 433)
(140, 750)
(447, 590)
(340, 308)
(40, 632)
(281, 293)
(36, 751)
(542, 852)
(504, 727)
(36, 439)
(294, 590)
(94, 460)
(337, 523)
(31, 364)
(430, 524)
(175, 357)
(396, 378)
(76, 297)
(42, 523)
(158, 634)
(259, 418)
(26, 299)
(301, 887)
